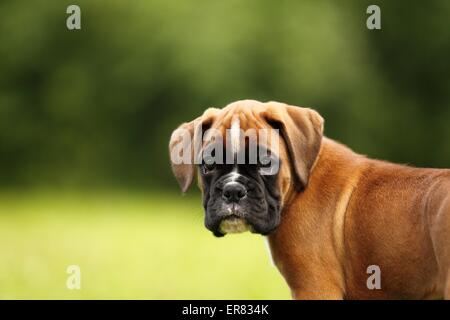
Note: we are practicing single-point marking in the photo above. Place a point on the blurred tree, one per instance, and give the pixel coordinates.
(96, 106)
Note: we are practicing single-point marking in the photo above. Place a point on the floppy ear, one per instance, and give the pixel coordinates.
(302, 130)
(184, 146)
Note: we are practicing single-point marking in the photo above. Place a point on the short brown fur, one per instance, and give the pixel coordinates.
(351, 212)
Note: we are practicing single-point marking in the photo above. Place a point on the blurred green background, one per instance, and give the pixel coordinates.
(85, 118)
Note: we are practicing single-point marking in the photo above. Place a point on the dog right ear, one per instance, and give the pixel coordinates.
(184, 146)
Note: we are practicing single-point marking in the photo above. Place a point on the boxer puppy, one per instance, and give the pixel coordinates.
(332, 216)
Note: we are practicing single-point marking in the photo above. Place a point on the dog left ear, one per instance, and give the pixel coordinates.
(184, 145)
(302, 130)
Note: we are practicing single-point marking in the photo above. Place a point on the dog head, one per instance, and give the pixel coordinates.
(250, 157)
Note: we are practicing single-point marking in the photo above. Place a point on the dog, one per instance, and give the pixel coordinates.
(334, 219)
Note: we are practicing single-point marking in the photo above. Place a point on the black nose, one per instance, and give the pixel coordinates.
(233, 192)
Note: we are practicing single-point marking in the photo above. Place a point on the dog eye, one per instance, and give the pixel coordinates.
(266, 165)
(265, 162)
(207, 167)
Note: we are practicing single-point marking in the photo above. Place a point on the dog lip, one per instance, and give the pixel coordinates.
(218, 234)
(233, 217)
(233, 211)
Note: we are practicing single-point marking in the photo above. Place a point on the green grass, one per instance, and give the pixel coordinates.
(128, 246)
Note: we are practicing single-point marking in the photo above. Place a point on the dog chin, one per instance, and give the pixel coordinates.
(234, 225)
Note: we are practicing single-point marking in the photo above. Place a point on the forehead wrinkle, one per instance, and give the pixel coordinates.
(241, 116)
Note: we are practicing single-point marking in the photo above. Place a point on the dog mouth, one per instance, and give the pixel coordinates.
(233, 218)
(233, 210)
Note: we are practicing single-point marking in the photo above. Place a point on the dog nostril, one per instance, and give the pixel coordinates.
(234, 191)
(227, 194)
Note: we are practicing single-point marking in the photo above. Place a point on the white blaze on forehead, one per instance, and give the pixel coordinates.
(234, 175)
(235, 134)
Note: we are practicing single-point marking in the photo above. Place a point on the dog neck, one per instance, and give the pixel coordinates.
(309, 221)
